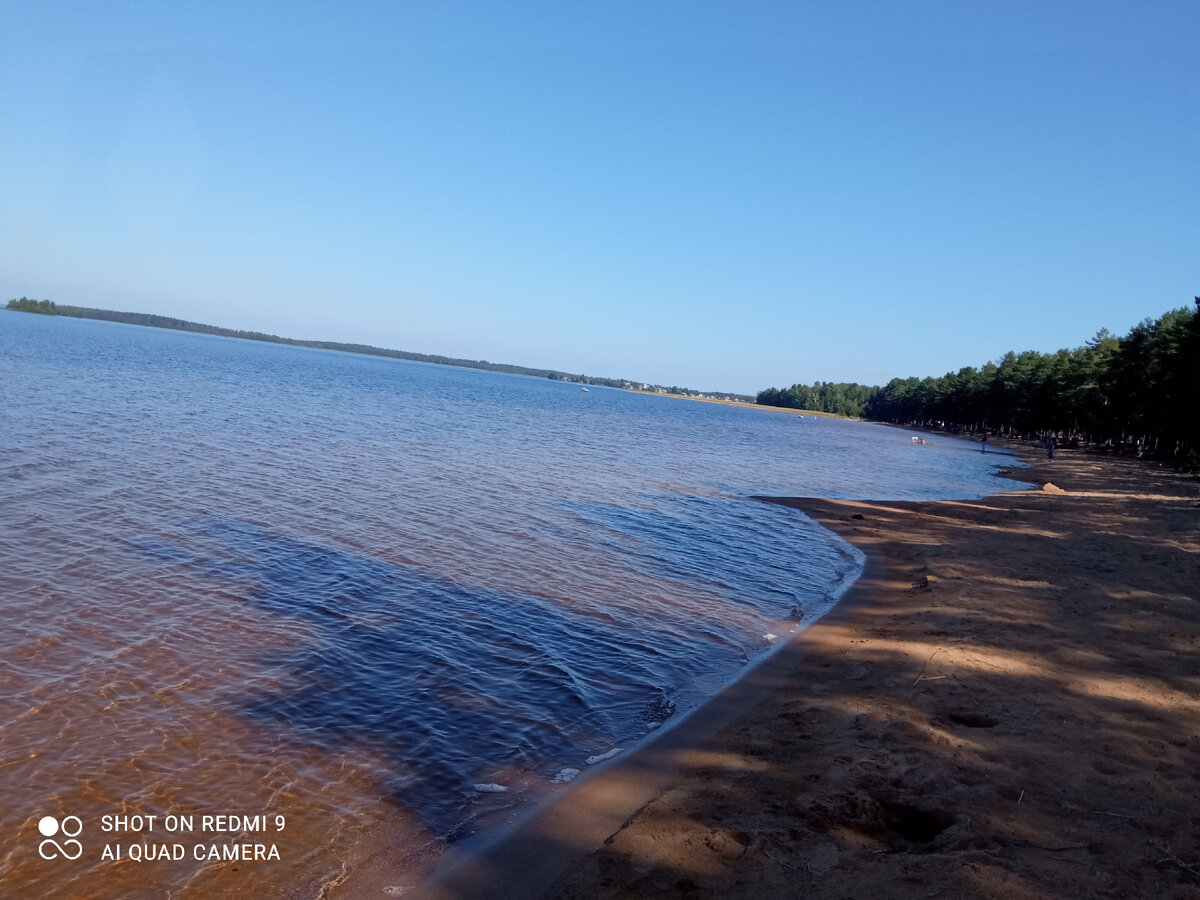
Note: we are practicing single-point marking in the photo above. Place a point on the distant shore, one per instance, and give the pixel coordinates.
(170, 323)
(782, 409)
(1005, 704)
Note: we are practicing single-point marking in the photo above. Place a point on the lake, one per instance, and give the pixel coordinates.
(331, 597)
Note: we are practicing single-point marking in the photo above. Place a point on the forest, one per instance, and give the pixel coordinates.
(1138, 393)
(45, 307)
(839, 399)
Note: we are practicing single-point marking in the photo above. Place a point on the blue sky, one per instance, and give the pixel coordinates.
(717, 195)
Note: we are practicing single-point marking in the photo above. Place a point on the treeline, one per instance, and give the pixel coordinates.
(49, 307)
(1140, 392)
(45, 307)
(822, 396)
(155, 321)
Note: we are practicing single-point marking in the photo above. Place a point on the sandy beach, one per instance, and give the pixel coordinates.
(1006, 704)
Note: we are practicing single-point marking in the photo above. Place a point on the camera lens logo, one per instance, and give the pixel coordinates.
(69, 848)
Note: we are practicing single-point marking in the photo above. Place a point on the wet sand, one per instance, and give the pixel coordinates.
(1006, 704)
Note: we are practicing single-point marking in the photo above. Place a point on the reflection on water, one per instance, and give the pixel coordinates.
(250, 579)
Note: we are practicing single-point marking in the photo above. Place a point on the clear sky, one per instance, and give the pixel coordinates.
(719, 195)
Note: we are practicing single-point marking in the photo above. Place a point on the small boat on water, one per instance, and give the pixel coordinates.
(585, 390)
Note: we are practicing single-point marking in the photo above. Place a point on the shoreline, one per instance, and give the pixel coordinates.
(521, 858)
(525, 855)
(876, 751)
(526, 858)
(748, 405)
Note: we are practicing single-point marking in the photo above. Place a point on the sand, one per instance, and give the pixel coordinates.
(1006, 704)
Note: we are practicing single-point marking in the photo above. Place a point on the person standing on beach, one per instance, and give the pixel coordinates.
(983, 446)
